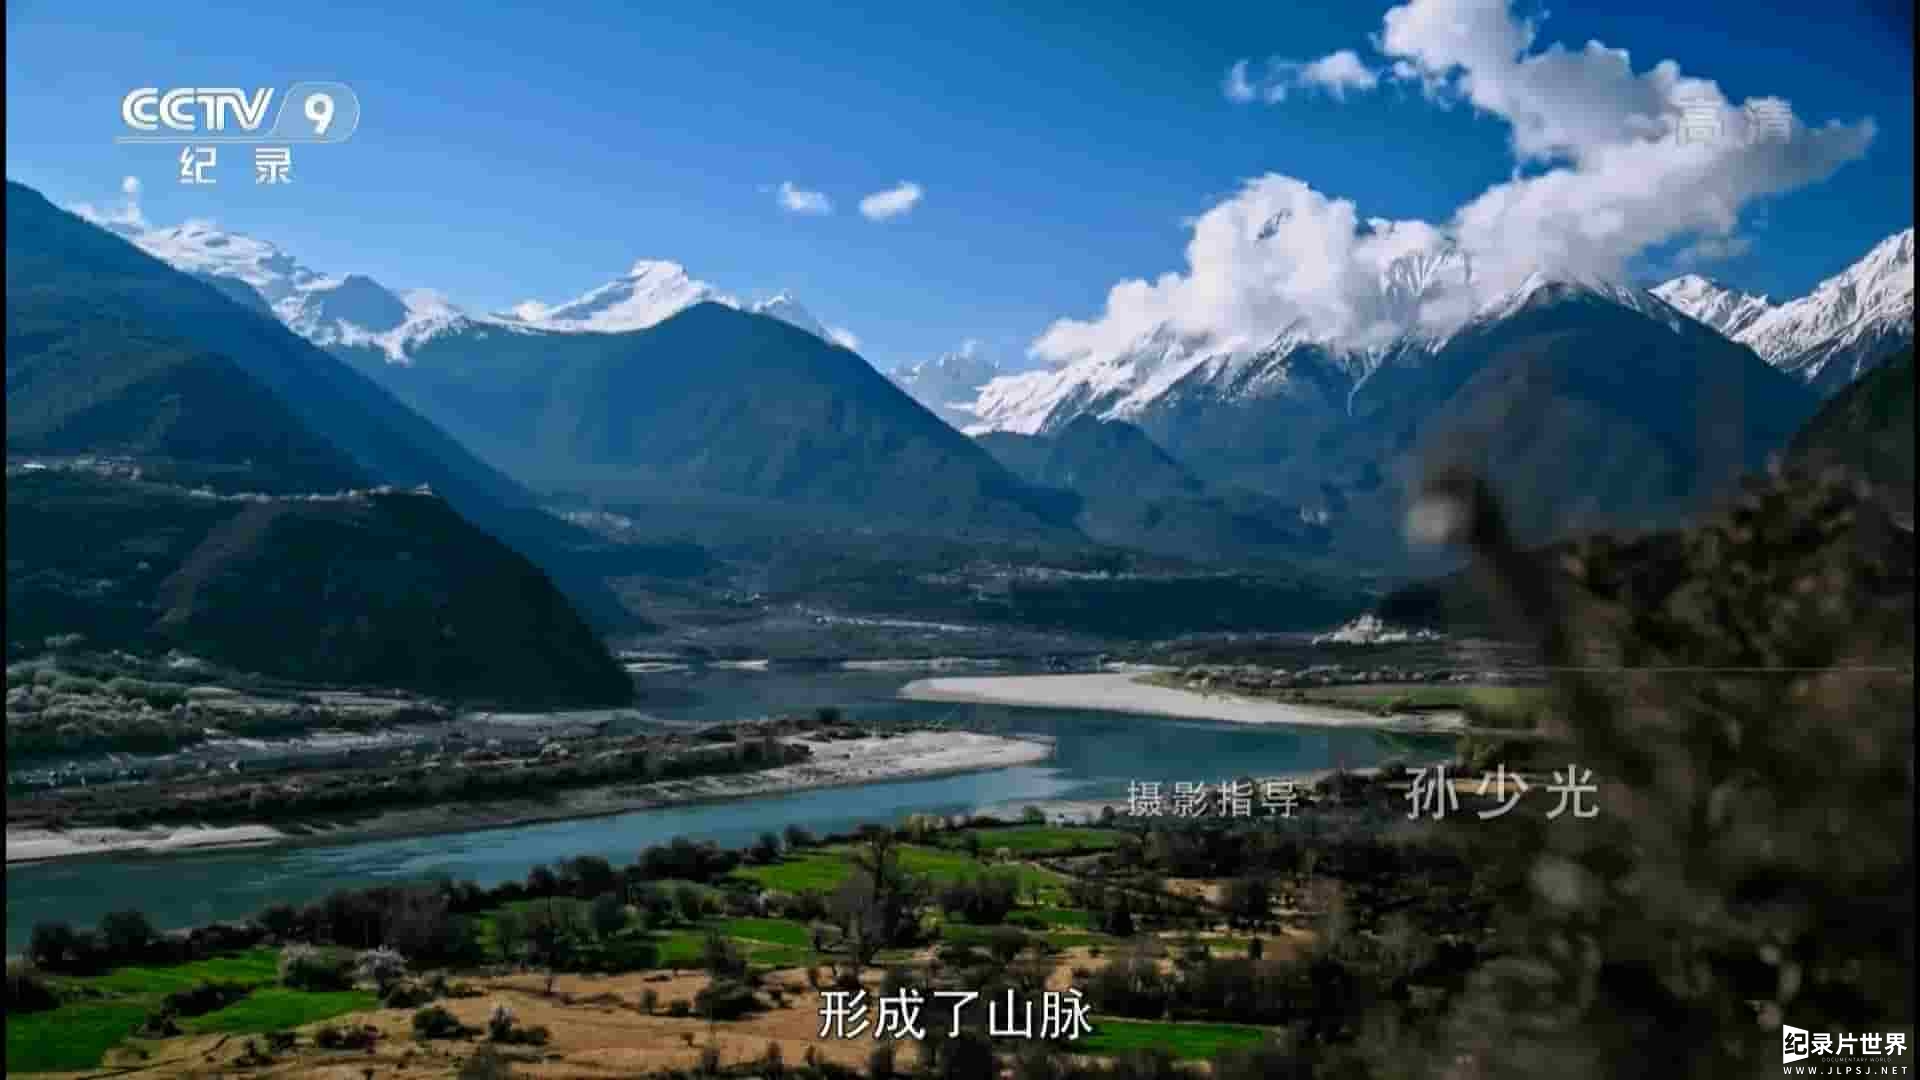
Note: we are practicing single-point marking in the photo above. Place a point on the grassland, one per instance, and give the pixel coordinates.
(1028, 841)
(825, 870)
(105, 1009)
(1185, 1041)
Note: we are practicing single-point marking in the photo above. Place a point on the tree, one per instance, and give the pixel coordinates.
(720, 958)
(51, 946)
(125, 935)
(970, 843)
(690, 903)
(1248, 901)
(607, 915)
(587, 876)
(541, 881)
(798, 837)
(764, 850)
(509, 932)
(382, 967)
(878, 903)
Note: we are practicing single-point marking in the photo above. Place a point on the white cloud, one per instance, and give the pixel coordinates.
(843, 337)
(126, 217)
(893, 202)
(799, 200)
(1709, 249)
(1339, 72)
(1608, 175)
(1237, 86)
(1335, 73)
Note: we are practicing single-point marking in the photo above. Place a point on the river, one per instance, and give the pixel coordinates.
(1096, 755)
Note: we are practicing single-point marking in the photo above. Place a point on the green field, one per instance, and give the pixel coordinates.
(824, 871)
(252, 968)
(275, 1008)
(1185, 1041)
(771, 943)
(79, 1033)
(71, 1037)
(1026, 840)
(1060, 918)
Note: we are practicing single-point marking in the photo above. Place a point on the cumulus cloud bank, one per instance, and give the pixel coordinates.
(1621, 161)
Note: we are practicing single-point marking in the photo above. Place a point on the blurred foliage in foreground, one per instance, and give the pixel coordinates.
(1743, 692)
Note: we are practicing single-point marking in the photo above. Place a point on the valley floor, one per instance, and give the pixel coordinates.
(834, 763)
(1127, 692)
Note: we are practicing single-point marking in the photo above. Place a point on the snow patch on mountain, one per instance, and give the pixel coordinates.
(323, 308)
(1727, 310)
(356, 310)
(1420, 301)
(950, 384)
(651, 292)
(1847, 323)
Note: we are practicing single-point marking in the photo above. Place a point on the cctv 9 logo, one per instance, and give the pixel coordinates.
(309, 112)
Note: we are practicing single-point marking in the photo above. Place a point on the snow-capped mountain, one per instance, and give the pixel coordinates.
(1164, 366)
(355, 310)
(784, 307)
(949, 384)
(651, 292)
(1826, 338)
(1847, 323)
(323, 308)
(1729, 311)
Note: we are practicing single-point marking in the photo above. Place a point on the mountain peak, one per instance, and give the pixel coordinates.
(1847, 323)
(1705, 300)
(1545, 288)
(783, 306)
(657, 269)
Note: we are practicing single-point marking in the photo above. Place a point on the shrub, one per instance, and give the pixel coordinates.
(406, 995)
(720, 958)
(984, 900)
(383, 967)
(346, 1038)
(678, 1008)
(485, 1064)
(203, 998)
(27, 992)
(58, 947)
(500, 1021)
(125, 936)
(1005, 943)
(765, 849)
(305, 967)
(725, 999)
(435, 1022)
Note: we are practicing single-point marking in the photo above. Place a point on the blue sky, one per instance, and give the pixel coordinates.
(506, 153)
